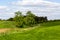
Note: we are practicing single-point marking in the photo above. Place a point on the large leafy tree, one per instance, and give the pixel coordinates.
(18, 19)
(29, 19)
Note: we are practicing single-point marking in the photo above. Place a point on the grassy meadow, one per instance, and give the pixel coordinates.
(44, 31)
(7, 24)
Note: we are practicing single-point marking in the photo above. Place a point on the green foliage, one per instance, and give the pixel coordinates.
(18, 19)
(22, 20)
(10, 19)
(29, 19)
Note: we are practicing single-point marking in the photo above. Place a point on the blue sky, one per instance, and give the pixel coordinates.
(49, 8)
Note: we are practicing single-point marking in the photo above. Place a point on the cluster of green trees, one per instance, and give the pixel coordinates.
(10, 19)
(27, 20)
(24, 20)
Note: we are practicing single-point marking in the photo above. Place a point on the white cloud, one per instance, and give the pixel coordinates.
(46, 5)
(6, 15)
(3, 7)
(5, 12)
(39, 7)
(35, 2)
(26, 2)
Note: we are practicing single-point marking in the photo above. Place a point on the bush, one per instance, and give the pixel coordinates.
(22, 20)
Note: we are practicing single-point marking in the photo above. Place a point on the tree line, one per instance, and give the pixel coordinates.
(27, 20)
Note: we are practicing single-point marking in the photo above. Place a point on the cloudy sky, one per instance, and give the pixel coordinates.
(49, 8)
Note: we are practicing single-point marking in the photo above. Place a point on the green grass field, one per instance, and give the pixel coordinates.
(45, 31)
(7, 24)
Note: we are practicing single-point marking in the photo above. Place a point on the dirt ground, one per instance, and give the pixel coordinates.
(4, 30)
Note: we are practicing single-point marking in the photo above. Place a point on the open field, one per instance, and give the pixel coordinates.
(7, 24)
(47, 31)
(29, 19)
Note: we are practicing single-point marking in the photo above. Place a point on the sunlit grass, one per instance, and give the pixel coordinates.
(45, 31)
